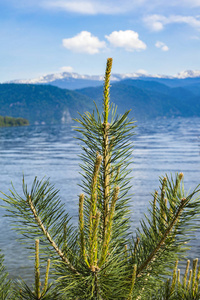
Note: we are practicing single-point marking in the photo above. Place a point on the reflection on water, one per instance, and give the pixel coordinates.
(160, 146)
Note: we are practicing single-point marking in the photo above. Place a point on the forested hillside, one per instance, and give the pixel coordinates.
(41, 103)
(150, 99)
(46, 104)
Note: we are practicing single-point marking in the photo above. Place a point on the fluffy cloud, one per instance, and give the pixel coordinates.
(157, 22)
(84, 42)
(67, 69)
(162, 46)
(128, 39)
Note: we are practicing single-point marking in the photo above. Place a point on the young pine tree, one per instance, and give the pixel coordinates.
(102, 259)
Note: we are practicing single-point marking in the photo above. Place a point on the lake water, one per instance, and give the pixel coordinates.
(160, 146)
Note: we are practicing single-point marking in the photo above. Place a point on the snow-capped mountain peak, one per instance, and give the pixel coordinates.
(56, 76)
(71, 80)
(188, 74)
(70, 75)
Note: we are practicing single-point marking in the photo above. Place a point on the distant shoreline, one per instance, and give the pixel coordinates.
(13, 122)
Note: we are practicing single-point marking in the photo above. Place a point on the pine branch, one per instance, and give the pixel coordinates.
(49, 213)
(5, 283)
(37, 270)
(159, 248)
(46, 277)
(93, 206)
(106, 174)
(176, 288)
(163, 238)
(107, 238)
(51, 241)
(81, 228)
(107, 89)
(23, 292)
(132, 282)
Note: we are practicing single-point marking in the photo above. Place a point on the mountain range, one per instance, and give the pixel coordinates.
(151, 99)
(71, 81)
(147, 97)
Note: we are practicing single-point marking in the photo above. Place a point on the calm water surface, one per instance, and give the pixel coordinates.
(161, 146)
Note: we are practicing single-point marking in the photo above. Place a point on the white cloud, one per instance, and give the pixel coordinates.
(67, 69)
(128, 39)
(190, 20)
(82, 7)
(191, 3)
(142, 71)
(157, 22)
(162, 46)
(92, 7)
(88, 7)
(84, 42)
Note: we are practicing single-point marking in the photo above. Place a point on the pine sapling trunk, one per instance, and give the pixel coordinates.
(106, 150)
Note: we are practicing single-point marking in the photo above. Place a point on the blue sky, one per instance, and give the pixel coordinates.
(39, 37)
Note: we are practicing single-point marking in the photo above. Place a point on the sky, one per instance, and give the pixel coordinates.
(39, 37)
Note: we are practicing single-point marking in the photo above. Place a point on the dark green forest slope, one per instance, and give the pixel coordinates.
(41, 103)
(46, 104)
(149, 99)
